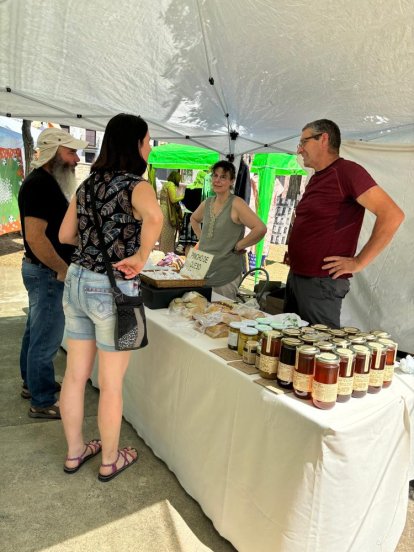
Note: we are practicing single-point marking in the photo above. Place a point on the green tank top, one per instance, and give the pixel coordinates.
(219, 235)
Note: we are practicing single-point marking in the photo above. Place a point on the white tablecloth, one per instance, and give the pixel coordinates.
(273, 473)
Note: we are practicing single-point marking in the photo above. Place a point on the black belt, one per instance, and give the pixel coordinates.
(38, 263)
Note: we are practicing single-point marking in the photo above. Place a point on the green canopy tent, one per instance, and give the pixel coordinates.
(181, 156)
(268, 166)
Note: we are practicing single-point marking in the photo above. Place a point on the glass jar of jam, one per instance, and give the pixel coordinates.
(233, 337)
(376, 371)
(342, 342)
(350, 330)
(263, 328)
(249, 352)
(320, 327)
(291, 332)
(269, 354)
(390, 358)
(325, 346)
(325, 380)
(287, 361)
(361, 371)
(337, 333)
(304, 370)
(346, 373)
(246, 334)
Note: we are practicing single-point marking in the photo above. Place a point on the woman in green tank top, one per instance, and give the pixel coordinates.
(220, 223)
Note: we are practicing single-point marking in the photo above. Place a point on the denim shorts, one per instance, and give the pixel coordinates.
(89, 305)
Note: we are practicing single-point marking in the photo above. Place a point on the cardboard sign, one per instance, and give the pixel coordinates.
(196, 264)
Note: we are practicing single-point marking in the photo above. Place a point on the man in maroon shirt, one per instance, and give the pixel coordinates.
(324, 237)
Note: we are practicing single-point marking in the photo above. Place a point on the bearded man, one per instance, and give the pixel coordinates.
(43, 201)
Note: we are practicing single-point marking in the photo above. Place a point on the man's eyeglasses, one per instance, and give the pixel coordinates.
(305, 140)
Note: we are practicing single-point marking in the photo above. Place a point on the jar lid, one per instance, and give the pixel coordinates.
(327, 358)
(341, 341)
(246, 330)
(325, 344)
(292, 341)
(308, 350)
(367, 336)
(388, 342)
(360, 349)
(237, 325)
(320, 327)
(250, 323)
(310, 338)
(291, 331)
(358, 340)
(272, 333)
(342, 351)
(376, 346)
(263, 320)
(250, 343)
(307, 330)
(350, 329)
(338, 333)
(263, 327)
(380, 333)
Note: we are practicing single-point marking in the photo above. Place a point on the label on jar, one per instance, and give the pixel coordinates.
(361, 382)
(285, 372)
(388, 372)
(268, 364)
(232, 339)
(345, 385)
(249, 357)
(302, 382)
(376, 377)
(324, 392)
(258, 355)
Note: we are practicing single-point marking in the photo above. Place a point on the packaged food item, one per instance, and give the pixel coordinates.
(376, 371)
(361, 371)
(218, 330)
(249, 352)
(246, 334)
(346, 373)
(390, 359)
(304, 370)
(269, 354)
(287, 361)
(325, 380)
(233, 336)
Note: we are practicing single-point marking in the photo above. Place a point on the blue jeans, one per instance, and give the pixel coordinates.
(43, 334)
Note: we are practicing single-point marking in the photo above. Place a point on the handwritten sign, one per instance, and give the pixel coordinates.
(196, 264)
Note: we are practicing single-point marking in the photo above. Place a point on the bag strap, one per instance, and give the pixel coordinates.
(104, 252)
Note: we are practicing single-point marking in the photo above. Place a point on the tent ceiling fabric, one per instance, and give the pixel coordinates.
(276, 65)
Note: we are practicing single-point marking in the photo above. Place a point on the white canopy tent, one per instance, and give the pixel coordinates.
(231, 75)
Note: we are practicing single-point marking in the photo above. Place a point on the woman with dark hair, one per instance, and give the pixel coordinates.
(224, 218)
(170, 198)
(130, 219)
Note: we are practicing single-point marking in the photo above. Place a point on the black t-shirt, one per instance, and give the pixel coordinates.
(41, 197)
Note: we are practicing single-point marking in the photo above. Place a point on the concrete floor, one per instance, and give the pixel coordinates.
(43, 509)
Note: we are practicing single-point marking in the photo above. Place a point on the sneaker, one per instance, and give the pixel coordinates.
(25, 393)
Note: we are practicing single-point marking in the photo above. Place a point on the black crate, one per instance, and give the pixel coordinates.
(160, 298)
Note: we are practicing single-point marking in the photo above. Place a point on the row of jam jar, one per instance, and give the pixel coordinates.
(328, 372)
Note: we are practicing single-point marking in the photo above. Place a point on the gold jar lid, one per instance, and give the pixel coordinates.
(350, 329)
(291, 331)
(321, 327)
(388, 342)
(360, 349)
(341, 342)
(343, 352)
(291, 341)
(376, 346)
(338, 333)
(325, 345)
(327, 358)
(308, 350)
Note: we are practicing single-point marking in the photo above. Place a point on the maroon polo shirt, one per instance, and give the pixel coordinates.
(328, 217)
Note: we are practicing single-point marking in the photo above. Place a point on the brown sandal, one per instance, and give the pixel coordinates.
(94, 446)
(116, 471)
(49, 412)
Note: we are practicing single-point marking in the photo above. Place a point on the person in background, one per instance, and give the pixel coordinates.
(170, 196)
(131, 221)
(324, 235)
(219, 223)
(191, 200)
(43, 201)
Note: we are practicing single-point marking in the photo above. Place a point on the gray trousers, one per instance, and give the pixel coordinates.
(317, 300)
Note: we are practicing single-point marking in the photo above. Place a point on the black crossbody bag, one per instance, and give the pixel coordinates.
(131, 325)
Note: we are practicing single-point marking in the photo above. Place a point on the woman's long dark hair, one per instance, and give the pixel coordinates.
(119, 150)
